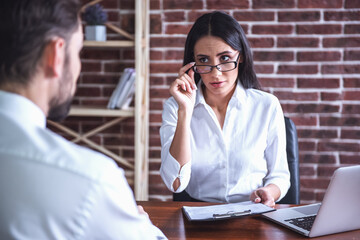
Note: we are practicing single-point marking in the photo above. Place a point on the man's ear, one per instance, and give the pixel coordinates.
(54, 57)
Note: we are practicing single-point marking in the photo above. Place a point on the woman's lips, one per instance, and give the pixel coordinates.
(217, 84)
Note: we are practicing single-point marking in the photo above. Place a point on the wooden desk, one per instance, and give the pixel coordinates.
(169, 218)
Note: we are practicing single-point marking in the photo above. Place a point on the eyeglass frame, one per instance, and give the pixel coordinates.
(216, 66)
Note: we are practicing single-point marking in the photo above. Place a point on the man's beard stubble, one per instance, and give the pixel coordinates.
(58, 111)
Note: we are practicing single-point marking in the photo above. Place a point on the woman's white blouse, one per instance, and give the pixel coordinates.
(228, 164)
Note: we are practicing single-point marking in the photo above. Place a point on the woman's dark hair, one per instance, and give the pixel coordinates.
(221, 25)
(26, 27)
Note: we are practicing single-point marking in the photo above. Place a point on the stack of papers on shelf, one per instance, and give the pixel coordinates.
(225, 211)
(124, 91)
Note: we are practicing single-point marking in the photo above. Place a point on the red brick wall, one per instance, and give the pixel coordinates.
(306, 52)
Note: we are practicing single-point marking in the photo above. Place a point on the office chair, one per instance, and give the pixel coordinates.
(293, 194)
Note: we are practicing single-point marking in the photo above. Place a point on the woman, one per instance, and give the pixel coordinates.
(223, 140)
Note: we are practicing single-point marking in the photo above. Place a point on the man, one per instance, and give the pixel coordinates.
(51, 188)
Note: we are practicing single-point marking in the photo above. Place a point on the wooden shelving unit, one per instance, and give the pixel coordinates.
(140, 111)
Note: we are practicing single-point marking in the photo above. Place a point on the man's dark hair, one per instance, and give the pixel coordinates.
(220, 24)
(26, 27)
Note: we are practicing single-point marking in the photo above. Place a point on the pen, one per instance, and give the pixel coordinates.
(231, 214)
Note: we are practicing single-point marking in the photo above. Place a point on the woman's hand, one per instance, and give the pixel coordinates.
(142, 211)
(183, 89)
(266, 195)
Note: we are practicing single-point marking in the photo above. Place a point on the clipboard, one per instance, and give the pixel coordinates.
(225, 211)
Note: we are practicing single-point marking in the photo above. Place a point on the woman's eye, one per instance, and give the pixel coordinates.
(203, 60)
(225, 58)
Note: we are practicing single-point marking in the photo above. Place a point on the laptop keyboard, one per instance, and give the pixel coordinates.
(302, 222)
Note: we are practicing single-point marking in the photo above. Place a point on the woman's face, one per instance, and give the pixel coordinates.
(210, 50)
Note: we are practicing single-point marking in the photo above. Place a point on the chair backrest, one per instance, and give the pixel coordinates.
(293, 194)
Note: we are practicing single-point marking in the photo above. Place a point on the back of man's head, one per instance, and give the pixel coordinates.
(26, 27)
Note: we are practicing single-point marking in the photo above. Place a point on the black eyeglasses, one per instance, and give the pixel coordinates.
(222, 67)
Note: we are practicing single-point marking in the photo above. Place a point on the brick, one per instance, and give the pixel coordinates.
(311, 108)
(296, 16)
(90, 67)
(154, 4)
(342, 15)
(320, 4)
(307, 171)
(156, 105)
(110, 4)
(184, 4)
(156, 55)
(330, 96)
(230, 4)
(273, 4)
(338, 146)
(154, 141)
(352, 82)
(95, 54)
(301, 120)
(272, 29)
(127, 4)
(317, 133)
(264, 68)
(318, 183)
(165, 67)
(157, 80)
(174, 16)
(261, 42)
(194, 14)
(318, 56)
(342, 42)
(352, 4)
(351, 108)
(111, 79)
(319, 195)
(340, 69)
(307, 195)
(167, 42)
(159, 93)
(297, 96)
(254, 16)
(349, 159)
(326, 171)
(320, 29)
(297, 69)
(340, 121)
(352, 28)
(306, 145)
(127, 23)
(318, 83)
(317, 158)
(297, 42)
(117, 67)
(174, 54)
(178, 28)
(350, 134)
(277, 82)
(155, 24)
(351, 55)
(154, 166)
(352, 96)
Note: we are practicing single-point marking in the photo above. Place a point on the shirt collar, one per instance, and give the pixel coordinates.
(238, 96)
(21, 109)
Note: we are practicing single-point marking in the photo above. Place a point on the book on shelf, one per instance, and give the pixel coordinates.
(124, 90)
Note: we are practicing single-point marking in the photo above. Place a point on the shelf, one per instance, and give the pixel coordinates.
(113, 43)
(100, 111)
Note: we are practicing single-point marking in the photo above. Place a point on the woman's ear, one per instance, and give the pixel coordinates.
(54, 57)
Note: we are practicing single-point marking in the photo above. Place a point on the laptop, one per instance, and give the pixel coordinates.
(338, 212)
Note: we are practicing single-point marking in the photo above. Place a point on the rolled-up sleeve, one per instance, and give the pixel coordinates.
(275, 153)
(170, 168)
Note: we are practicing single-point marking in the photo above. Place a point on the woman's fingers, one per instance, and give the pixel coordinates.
(185, 68)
